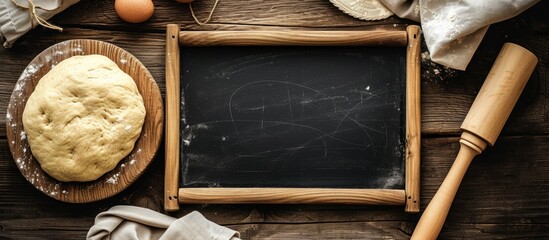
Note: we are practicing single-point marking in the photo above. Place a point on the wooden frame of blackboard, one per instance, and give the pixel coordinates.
(409, 197)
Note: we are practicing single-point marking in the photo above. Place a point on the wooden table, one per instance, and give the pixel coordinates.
(505, 193)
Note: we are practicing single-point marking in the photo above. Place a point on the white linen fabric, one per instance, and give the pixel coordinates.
(136, 223)
(17, 19)
(453, 29)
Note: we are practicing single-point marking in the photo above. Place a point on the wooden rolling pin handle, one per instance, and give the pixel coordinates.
(433, 217)
(482, 125)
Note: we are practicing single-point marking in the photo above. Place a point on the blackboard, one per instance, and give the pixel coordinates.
(273, 116)
(292, 117)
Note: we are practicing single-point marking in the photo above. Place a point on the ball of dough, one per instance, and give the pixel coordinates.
(83, 117)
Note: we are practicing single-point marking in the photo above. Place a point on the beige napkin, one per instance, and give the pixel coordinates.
(136, 223)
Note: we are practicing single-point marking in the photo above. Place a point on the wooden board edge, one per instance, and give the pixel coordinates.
(293, 38)
(291, 196)
(172, 147)
(413, 119)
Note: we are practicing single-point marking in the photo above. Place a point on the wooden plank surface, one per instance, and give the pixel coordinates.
(505, 193)
(439, 85)
(504, 187)
(229, 15)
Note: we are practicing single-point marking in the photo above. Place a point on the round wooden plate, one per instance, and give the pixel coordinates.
(130, 168)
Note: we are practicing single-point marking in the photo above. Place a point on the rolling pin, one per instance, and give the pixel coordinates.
(481, 127)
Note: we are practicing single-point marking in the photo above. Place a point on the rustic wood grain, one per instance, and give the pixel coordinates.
(293, 38)
(173, 119)
(291, 196)
(501, 185)
(502, 194)
(481, 127)
(408, 39)
(328, 230)
(500, 92)
(413, 119)
(446, 99)
(448, 95)
(129, 168)
(229, 15)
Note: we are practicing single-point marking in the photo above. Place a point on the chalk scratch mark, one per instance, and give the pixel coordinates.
(353, 108)
(187, 86)
(321, 133)
(362, 126)
(386, 137)
(244, 63)
(292, 150)
(261, 132)
(290, 104)
(259, 82)
(302, 107)
(326, 97)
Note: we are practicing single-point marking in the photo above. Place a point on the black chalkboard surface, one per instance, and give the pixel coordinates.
(291, 117)
(267, 116)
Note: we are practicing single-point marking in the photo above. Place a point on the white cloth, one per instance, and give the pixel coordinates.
(17, 20)
(136, 223)
(454, 29)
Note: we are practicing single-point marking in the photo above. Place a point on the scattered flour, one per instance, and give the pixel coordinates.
(29, 71)
(433, 73)
(113, 179)
(78, 49)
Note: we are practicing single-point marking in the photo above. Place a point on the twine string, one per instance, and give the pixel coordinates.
(209, 16)
(32, 13)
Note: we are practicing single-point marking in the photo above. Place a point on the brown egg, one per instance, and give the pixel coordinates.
(134, 11)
